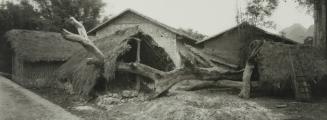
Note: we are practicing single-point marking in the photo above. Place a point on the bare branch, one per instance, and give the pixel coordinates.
(83, 39)
(79, 26)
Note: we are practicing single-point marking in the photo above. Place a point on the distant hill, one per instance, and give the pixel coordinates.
(295, 32)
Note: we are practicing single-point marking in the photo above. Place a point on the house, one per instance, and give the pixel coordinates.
(36, 55)
(231, 47)
(121, 46)
(167, 37)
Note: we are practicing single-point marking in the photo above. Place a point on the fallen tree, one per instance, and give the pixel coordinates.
(163, 80)
(274, 62)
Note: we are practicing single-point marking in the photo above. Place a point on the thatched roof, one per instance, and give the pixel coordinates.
(115, 46)
(40, 46)
(156, 22)
(200, 59)
(279, 63)
(245, 25)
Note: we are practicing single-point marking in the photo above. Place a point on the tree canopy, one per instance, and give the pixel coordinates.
(48, 15)
(19, 16)
(192, 33)
(57, 11)
(45, 15)
(257, 12)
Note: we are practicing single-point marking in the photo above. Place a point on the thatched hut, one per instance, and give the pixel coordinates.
(281, 69)
(36, 55)
(231, 46)
(119, 47)
(279, 65)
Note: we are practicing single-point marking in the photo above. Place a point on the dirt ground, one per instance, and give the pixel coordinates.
(209, 104)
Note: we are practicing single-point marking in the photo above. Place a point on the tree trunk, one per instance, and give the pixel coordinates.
(165, 80)
(246, 89)
(138, 60)
(320, 32)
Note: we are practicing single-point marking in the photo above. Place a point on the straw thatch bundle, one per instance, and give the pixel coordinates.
(275, 70)
(199, 59)
(84, 76)
(36, 46)
(35, 55)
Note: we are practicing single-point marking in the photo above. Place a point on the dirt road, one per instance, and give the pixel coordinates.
(17, 103)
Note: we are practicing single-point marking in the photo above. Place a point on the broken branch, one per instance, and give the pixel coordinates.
(165, 80)
(83, 39)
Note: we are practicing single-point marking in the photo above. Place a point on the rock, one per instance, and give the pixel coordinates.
(115, 95)
(110, 101)
(123, 100)
(108, 95)
(85, 108)
(129, 94)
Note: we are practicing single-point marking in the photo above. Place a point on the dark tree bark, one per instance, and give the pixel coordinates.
(320, 20)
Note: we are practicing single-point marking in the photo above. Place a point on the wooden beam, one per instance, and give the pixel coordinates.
(138, 60)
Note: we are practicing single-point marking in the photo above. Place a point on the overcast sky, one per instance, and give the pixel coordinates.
(206, 16)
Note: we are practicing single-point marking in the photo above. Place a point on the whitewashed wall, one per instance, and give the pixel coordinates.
(162, 36)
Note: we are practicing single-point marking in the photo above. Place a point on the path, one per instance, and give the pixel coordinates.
(18, 103)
